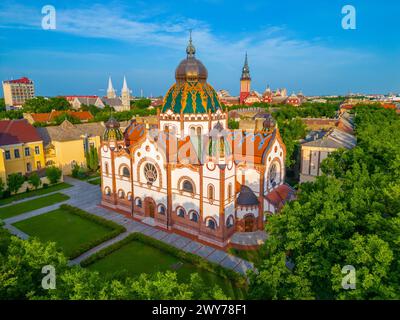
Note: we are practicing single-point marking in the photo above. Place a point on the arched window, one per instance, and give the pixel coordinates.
(194, 216)
(129, 197)
(187, 186)
(161, 209)
(274, 175)
(229, 222)
(181, 212)
(125, 172)
(107, 191)
(198, 131)
(121, 194)
(229, 190)
(106, 168)
(138, 202)
(211, 224)
(150, 172)
(210, 192)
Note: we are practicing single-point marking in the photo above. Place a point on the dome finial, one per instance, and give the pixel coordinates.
(190, 49)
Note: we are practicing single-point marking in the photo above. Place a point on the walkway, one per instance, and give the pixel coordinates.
(87, 197)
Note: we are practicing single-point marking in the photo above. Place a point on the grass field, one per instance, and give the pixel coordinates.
(42, 191)
(68, 230)
(96, 181)
(30, 205)
(135, 258)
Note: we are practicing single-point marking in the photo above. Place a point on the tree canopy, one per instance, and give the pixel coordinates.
(44, 105)
(348, 216)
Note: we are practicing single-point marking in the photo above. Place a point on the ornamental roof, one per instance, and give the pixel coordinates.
(191, 93)
(246, 197)
(191, 97)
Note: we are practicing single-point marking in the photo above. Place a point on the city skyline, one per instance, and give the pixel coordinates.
(288, 46)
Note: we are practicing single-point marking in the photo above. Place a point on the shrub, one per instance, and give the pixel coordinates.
(34, 180)
(53, 174)
(14, 182)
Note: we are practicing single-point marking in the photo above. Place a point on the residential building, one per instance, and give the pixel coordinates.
(76, 102)
(16, 92)
(66, 144)
(319, 144)
(21, 148)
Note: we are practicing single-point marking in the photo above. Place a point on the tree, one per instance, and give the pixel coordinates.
(92, 159)
(44, 105)
(348, 216)
(233, 124)
(21, 263)
(141, 104)
(34, 180)
(2, 105)
(2, 185)
(15, 182)
(65, 116)
(53, 174)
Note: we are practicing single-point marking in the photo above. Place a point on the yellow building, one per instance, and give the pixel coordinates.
(21, 148)
(66, 144)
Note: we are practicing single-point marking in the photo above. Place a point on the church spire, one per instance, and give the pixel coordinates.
(190, 49)
(245, 70)
(110, 90)
(125, 86)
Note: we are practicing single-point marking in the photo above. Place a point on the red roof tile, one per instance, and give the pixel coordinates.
(48, 117)
(280, 195)
(21, 80)
(17, 131)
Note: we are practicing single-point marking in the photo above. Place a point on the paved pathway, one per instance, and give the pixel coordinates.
(87, 197)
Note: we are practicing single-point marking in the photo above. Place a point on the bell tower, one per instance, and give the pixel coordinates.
(245, 81)
(125, 96)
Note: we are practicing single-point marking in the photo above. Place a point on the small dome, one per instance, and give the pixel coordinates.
(191, 69)
(113, 131)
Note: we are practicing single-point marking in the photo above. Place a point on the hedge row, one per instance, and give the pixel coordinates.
(116, 229)
(180, 254)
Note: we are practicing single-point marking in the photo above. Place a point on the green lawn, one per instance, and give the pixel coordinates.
(68, 230)
(30, 205)
(136, 257)
(33, 193)
(96, 181)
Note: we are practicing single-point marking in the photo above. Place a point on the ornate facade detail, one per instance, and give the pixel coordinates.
(197, 176)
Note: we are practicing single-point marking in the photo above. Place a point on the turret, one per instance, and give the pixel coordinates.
(245, 81)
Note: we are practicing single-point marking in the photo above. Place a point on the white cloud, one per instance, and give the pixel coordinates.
(270, 49)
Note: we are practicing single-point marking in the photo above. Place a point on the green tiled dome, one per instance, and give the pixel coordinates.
(191, 93)
(191, 97)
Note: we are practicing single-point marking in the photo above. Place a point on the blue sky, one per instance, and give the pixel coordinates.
(299, 45)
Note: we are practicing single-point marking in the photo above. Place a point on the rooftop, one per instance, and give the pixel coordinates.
(67, 131)
(16, 132)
